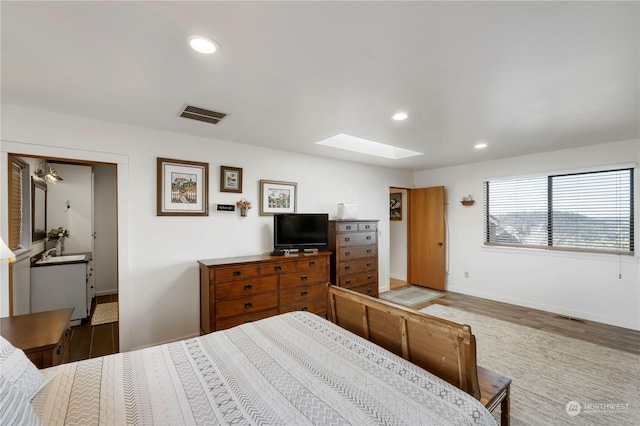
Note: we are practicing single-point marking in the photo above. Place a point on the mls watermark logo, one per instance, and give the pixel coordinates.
(573, 408)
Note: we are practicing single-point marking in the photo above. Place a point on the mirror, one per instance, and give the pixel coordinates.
(38, 210)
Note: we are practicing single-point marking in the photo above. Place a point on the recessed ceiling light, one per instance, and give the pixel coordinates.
(202, 44)
(365, 146)
(400, 116)
(480, 145)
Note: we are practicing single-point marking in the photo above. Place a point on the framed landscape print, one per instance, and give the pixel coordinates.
(183, 188)
(230, 179)
(395, 206)
(277, 197)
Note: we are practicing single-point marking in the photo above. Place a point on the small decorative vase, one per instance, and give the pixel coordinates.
(59, 247)
(243, 212)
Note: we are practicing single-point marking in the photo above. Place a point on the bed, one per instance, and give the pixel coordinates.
(291, 369)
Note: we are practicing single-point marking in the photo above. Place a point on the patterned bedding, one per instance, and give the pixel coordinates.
(291, 369)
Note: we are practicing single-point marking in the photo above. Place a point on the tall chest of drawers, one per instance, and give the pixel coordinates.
(354, 263)
(237, 290)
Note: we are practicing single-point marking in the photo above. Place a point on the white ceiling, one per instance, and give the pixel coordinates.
(525, 77)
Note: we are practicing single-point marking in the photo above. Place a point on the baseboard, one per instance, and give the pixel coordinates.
(547, 308)
(106, 292)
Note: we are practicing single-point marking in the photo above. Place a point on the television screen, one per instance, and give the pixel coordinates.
(300, 231)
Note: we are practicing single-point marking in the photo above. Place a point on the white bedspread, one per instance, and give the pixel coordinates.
(292, 369)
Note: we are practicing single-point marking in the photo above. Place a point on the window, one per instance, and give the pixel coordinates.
(591, 211)
(19, 206)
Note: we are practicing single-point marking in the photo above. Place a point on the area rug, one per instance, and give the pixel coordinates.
(105, 313)
(411, 296)
(556, 380)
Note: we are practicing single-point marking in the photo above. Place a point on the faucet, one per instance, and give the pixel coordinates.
(45, 256)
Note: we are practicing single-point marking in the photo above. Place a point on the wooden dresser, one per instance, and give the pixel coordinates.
(237, 290)
(354, 263)
(43, 336)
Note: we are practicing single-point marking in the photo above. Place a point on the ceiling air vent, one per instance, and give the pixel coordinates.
(201, 114)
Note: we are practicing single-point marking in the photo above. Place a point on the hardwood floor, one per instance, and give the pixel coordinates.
(90, 342)
(623, 339)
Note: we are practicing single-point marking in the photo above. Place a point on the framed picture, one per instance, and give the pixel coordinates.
(230, 179)
(183, 188)
(277, 197)
(395, 205)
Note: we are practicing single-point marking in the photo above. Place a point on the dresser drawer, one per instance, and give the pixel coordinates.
(346, 227)
(358, 265)
(370, 289)
(316, 305)
(367, 226)
(359, 279)
(311, 276)
(305, 292)
(243, 305)
(356, 239)
(235, 273)
(247, 287)
(275, 268)
(303, 265)
(348, 253)
(243, 319)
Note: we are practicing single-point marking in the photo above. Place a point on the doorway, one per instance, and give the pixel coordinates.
(421, 227)
(85, 203)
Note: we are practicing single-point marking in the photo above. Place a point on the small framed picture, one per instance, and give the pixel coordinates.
(395, 205)
(277, 197)
(230, 179)
(183, 188)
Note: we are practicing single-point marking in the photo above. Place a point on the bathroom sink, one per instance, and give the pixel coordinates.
(61, 259)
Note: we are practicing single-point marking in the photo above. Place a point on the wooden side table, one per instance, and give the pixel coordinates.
(43, 336)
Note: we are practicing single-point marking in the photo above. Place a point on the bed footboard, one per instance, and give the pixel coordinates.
(444, 348)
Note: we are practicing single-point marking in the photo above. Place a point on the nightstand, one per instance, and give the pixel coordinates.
(43, 336)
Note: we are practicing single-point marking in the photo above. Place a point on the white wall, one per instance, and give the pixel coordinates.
(158, 274)
(579, 285)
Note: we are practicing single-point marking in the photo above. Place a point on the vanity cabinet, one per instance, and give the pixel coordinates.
(354, 263)
(238, 290)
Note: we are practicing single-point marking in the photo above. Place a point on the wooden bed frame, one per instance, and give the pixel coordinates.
(444, 348)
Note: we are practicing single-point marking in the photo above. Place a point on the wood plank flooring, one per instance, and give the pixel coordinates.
(90, 342)
(623, 339)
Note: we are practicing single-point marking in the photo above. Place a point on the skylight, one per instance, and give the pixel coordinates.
(365, 146)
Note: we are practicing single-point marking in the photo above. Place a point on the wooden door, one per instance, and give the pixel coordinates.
(426, 237)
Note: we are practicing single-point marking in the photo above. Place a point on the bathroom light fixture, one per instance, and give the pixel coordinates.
(480, 145)
(6, 255)
(46, 173)
(365, 146)
(203, 44)
(400, 116)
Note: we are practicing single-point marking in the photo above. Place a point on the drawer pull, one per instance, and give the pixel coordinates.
(348, 226)
(368, 237)
(248, 286)
(347, 239)
(369, 290)
(248, 305)
(312, 263)
(348, 281)
(304, 308)
(59, 350)
(367, 226)
(346, 268)
(278, 268)
(347, 253)
(369, 277)
(237, 273)
(303, 278)
(304, 293)
(67, 332)
(369, 263)
(369, 251)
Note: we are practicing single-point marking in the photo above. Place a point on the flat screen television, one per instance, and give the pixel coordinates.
(300, 231)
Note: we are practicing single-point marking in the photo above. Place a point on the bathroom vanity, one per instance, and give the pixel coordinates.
(62, 282)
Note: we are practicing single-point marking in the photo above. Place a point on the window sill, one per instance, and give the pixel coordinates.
(611, 257)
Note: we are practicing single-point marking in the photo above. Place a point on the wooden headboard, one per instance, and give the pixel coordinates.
(442, 347)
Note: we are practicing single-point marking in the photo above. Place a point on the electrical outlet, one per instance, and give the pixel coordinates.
(466, 274)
